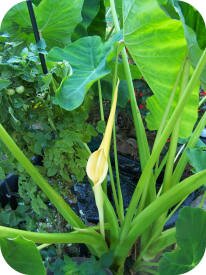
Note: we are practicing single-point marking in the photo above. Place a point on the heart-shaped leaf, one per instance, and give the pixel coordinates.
(191, 240)
(22, 255)
(56, 21)
(88, 58)
(158, 47)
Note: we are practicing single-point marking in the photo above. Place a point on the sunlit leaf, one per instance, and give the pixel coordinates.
(56, 21)
(149, 35)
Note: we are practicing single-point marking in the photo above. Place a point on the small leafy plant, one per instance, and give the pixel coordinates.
(41, 128)
(170, 54)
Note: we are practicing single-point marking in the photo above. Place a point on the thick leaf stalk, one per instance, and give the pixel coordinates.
(87, 237)
(155, 210)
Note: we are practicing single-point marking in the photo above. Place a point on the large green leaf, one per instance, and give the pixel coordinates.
(191, 240)
(158, 47)
(88, 58)
(56, 20)
(22, 255)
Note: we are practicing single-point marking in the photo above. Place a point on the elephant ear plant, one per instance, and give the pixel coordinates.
(160, 50)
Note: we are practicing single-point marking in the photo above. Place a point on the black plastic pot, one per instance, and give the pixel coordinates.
(130, 172)
(9, 191)
(9, 186)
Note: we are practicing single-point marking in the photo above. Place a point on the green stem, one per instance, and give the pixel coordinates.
(98, 194)
(148, 170)
(114, 193)
(114, 15)
(175, 135)
(54, 85)
(100, 101)
(109, 34)
(63, 208)
(119, 191)
(138, 123)
(142, 142)
(110, 216)
(181, 164)
(169, 105)
(201, 205)
(167, 238)
(101, 107)
(156, 245)
(155, 210)
(202, 101)
(174, 210)
(168, 108)
(86, 237)
(160, 168)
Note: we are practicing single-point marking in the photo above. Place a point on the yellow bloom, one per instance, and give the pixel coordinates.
(97, 165)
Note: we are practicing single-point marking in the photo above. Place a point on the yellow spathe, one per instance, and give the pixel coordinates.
(97, 165)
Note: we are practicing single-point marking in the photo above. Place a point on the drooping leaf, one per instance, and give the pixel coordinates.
(98, 25)
(194, 20)
(168, 7)
(149, 35)
(89, 11)
(197, 159)
(88, 58)
(4, 83)
(56, 21)
(191, 240)
(22, 255)
(195, 33)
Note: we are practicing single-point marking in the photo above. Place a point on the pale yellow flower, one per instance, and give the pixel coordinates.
(97, 165)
